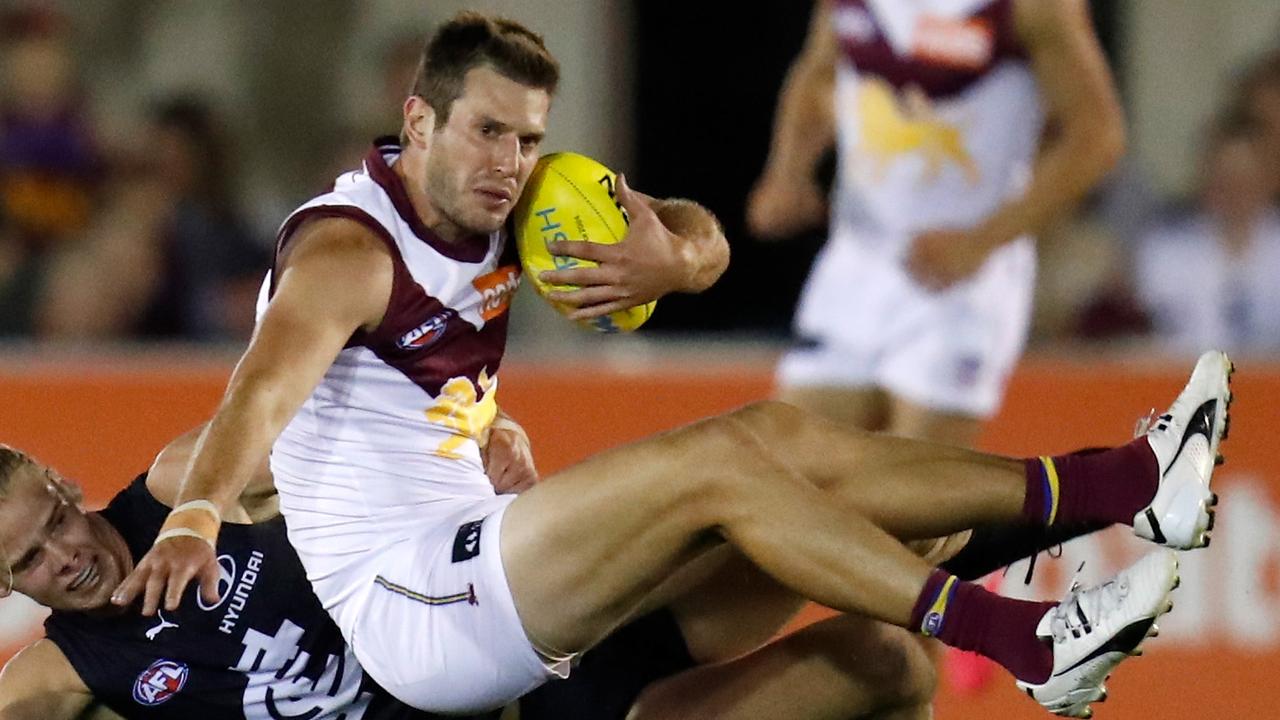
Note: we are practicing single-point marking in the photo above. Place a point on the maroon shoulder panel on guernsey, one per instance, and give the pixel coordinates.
(470, 249)
(419, 335)
(946, 55)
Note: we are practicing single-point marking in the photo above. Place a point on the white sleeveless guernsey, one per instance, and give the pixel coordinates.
(388, 439)
(938, 114)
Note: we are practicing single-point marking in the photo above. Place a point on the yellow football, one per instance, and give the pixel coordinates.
(571, 197)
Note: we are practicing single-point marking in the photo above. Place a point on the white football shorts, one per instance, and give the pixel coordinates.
(439, 628)
(863, 322)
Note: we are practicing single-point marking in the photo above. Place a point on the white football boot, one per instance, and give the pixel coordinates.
(1185, 441)
(1092, 630)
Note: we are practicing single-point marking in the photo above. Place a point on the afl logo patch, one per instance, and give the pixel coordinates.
(161, 681)
(932, 624)
(426, 333)
(226, 578)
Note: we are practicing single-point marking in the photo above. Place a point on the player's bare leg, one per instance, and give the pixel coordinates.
(865, 408)
(844, 667)
(726, 606)
(913, 420)
(730, 613)
(583, 548)
(887, 478)
(876, 409)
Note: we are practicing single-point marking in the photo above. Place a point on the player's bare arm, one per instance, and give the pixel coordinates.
(1081, 105)
(39, 684)
(700, 240)
(1087, 138)
(787, 200)
(257, 503)
(334, 279)
(671, 246)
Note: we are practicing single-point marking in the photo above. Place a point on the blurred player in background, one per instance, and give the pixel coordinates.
(916, 310)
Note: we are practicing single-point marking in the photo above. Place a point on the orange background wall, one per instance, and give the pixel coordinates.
(101, 421)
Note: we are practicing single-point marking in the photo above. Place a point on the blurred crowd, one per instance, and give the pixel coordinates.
(139, 239)
(1187, 273)
(146, 237)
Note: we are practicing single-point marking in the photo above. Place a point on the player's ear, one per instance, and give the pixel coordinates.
(419, 121)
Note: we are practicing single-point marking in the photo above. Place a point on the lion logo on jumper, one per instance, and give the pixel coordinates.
(893, 127)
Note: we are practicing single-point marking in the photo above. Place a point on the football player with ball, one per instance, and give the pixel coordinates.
(372, 380)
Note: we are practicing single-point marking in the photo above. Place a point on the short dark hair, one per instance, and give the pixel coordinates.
(471, 40)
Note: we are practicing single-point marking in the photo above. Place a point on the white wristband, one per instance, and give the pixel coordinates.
(181, 532)
(205, 505)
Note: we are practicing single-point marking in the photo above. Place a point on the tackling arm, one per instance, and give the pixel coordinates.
(257, 503)
(39, 684)
(508, 456)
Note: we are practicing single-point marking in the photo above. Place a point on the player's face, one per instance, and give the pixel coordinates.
(482, 156)
(60, 556)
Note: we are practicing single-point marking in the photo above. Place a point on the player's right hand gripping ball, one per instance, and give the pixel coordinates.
(571, 197)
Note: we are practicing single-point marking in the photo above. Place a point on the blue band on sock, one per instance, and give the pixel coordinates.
(931, 626)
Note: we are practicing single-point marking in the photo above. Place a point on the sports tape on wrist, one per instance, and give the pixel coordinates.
(204, 505)
(181, 532)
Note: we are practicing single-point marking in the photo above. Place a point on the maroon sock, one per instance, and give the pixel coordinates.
(1108, 486)
(967, 616)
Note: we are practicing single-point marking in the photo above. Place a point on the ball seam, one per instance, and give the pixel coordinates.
(578, 190)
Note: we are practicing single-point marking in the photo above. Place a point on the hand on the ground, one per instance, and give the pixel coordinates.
(508, 457)
(164, 572)
(939, 259)
(643, 267)
(778, 208)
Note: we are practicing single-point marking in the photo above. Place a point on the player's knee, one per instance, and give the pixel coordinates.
(772, 421)
(728, 469)
(709, 463)
(903, 674)
(661, 699)
(726, 464)
(913, 680)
